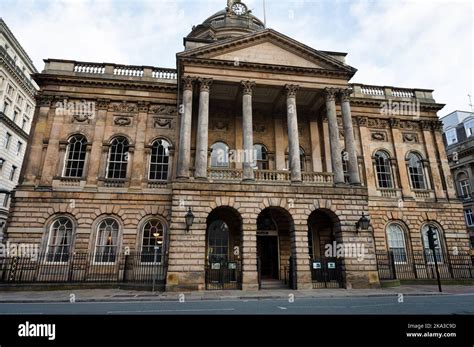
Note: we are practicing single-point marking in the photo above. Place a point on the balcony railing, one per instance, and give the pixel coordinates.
(282, 176)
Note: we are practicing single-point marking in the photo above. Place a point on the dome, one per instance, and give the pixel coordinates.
(225, 24)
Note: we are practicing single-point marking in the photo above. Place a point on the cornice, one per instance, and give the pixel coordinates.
(105, 83)
(265, 67)
(27, 87)
(19, 131)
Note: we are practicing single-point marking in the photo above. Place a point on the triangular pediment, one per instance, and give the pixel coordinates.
(270, 48)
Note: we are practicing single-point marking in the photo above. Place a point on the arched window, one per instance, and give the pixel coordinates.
(396, 242)
(75, 157)
(219, 155)
(106, 244)
(261, 157)
(152, 241)
(416, 171)
(218, 242)
(426, 245)
(464, 186)
(159, 162)
(118, 158)
(383, 169)
(59, 240)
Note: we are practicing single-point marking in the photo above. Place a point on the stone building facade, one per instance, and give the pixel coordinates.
(17, 105)
(262, 138)
(458, 128)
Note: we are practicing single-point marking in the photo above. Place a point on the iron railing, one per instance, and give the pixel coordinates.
(84, 268)
(224, 275)
(326, 273)
(420, 265)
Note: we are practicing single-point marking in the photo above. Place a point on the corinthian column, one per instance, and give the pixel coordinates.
(352, 164)
(184, 154)
(293, 136)
(202, 129)
(336, 158)
(247, 129)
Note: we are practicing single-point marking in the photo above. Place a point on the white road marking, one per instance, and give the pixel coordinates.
(281, 308)
(189, 310)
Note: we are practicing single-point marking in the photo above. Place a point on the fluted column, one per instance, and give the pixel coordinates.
(247, 128)
(352, 164)
(202, 129)
(184, 154)
(293, 135)
(336, 158)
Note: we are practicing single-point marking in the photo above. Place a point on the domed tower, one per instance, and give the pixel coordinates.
(235, 20)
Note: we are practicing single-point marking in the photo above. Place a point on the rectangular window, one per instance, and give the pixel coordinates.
(19, 148)
(15, 115)
(469, 217)
(10, 90)
(451, 136)
(6, 199)
(28, 109)
(7, 140)
(465, 189)
(19, 101)
(5, 107)
(23, 123)
(469, 126)
(12, 173)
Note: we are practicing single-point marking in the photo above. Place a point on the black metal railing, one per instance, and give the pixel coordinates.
(326, 273)
(420, 265)
(83, 268)
(224, 274)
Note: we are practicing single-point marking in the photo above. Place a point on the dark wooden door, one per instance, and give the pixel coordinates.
(267, 250)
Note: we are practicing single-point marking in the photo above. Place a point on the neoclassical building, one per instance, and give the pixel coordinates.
(262, 140)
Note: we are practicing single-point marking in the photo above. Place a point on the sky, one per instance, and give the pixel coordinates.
(403, 43)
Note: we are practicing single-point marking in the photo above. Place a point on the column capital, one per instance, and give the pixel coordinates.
(205, 84)
(345, 94)
(330, 93)
(248, 87)
(291, 90)
(188, 82)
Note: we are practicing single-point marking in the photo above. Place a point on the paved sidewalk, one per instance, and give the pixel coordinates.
(118, 295)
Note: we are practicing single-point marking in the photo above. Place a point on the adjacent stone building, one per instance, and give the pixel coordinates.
(262, 139)
(458, 127)
(17, 104)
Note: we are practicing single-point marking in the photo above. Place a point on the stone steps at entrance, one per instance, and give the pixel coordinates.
(273, 284)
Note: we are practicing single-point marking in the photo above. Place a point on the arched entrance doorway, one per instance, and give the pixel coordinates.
(274, 225)
(324, 238)
(223, 249)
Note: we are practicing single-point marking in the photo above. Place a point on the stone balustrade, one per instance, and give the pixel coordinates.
(225, 174)
(318, 177)
(389, 192)
(384, 92)
(113, 70)
(272, 175)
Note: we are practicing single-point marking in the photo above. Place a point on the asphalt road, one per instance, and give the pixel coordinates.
(432, 304)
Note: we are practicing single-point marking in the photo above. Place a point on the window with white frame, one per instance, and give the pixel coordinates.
(75, 157)
(261, 157)
(469, 217)
(118, 158)
(383, 169)
(396, 242)
(451, 136)
(152, 241)
(59, 241)
(426, 245)
(469, 126)
(464, 186)
(159, 161)
(218, 242)
(106, 244)
(219, 155)
(416, 171)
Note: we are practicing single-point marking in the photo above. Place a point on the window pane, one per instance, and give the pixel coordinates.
(118, 158)
(383, 169)
(75, 157)
(59, 240)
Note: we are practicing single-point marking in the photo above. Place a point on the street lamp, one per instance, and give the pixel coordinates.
(363, 223)
(189, 217)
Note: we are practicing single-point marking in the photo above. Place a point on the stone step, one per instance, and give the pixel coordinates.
(273, 284)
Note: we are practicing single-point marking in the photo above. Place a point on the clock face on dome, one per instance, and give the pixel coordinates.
(239, 9)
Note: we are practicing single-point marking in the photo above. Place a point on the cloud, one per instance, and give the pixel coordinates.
(401, 43)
